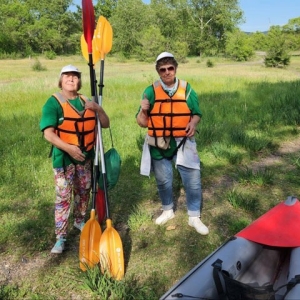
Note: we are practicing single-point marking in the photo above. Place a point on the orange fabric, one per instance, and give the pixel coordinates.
(170, 115)
(77, 129)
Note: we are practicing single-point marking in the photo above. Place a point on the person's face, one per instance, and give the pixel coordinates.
(70, 81)
(167, 74)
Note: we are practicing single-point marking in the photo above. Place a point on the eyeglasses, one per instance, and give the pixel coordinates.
(163, 70)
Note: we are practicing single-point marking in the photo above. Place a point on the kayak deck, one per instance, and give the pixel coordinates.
(247, 262)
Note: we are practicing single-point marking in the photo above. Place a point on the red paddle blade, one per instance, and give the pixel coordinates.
(88, 21)
(100, 205)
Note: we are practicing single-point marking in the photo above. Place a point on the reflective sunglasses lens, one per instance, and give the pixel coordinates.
(163, 70)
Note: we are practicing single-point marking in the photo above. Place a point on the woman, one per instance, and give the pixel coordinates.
(68, 123)
(170, 111)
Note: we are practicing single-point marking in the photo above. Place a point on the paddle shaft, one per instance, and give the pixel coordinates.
(88, 19)
(101, 85)
(103, 169)
(89, 251)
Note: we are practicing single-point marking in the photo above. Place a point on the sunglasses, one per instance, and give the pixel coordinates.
(163, 70)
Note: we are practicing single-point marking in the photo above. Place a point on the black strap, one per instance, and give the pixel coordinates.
(294, 281)
(217, 265)
(182, 142)
(51, 151)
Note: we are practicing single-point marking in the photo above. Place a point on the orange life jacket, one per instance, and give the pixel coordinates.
(78, 127)
(170, 115)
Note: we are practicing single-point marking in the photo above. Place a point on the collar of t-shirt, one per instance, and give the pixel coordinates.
(170, 91)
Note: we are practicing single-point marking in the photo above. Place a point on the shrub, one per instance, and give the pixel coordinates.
(209, 63)
(277, 58)
(50, 55)
(37, 66)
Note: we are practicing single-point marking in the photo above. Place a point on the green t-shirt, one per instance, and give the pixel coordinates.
(193, 104)
(52, 116)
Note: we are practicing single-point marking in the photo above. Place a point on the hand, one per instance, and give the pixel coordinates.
(92, 105)
(76, 153)
(190, 130)
(145, 104)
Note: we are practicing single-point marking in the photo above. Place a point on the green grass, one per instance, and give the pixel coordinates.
(248, 112)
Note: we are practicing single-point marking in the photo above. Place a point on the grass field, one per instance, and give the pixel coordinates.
(249, 147)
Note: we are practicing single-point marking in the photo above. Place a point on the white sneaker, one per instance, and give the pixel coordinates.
(165, 217)
(198, 225)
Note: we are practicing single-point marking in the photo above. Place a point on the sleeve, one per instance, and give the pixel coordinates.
(193, 101)
(51, 114)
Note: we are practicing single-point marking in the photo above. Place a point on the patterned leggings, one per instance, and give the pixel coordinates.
(74, 179)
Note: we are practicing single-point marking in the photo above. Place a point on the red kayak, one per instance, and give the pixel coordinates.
(261, 262)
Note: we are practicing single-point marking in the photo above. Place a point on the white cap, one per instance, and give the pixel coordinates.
(163, 55)
(69, 68)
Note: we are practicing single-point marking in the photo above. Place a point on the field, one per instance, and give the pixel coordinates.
(249, 146)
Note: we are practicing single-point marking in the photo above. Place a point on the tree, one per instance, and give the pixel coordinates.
(293, 25)
(239, 46)
(129, 20)
(152, 42)
(52, 19)
(37, 26)
(258, 41)
(211, 20)
(105, 8)
(15, 19)
(277, 55)
(292, 34)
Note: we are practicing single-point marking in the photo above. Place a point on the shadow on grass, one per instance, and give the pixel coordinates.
(254, 123)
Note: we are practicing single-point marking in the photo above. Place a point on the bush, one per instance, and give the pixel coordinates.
(37, 66)
(209, 63)
(277, 58)
(50, 55)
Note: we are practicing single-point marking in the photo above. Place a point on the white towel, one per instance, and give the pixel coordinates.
(145, 166)
(187, 156)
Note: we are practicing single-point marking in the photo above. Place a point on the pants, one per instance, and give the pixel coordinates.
(191, 180)
(76, 180)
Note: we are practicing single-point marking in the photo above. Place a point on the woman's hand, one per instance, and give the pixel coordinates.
(54, 139)
(103, 118)
(145, 105)
(142, 117)
(191, 126)
(76, 153)
(92, 105)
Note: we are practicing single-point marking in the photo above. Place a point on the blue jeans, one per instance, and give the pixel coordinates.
(191, 180)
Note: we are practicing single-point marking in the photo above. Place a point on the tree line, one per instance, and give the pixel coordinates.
(185, 27)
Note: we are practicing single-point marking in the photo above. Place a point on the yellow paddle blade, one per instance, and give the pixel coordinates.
(89, 254)
(99, 33)
(111, 251)
(84, 49)
(103, 36)
(107, 39)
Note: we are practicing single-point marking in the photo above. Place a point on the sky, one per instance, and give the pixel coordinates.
(260, 15)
